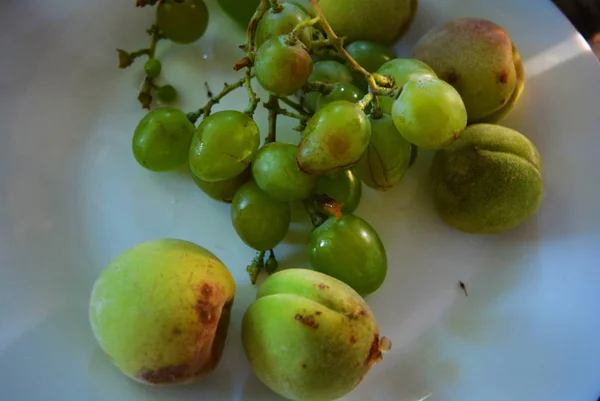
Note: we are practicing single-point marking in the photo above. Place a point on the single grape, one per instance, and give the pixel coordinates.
(387, 158)
(343, 186)
(402, 70)
(260, 220)
(223, 146)
(282, 22)
(282, 65)
(161, 141)
(429, 113)
(167, 93)
(224, 191)
(334, 138)
(276, 172)
(350, 250)
(240, 11)
(406, 69)
(328, 71)
(153, 67)
(340, 91)
(379, 21)
(182, 21)
(370, 56)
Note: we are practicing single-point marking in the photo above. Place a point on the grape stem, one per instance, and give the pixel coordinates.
(276, 5)
(318, 86)
(258, 263)
(374, 80)
(376, 112)
(215, 99)
(291, 114)
(253, 98)
(145, 95)
(296, 106)
(273, 106)
(365, 101)
(317, 218)
(304, 24)
(248, 61)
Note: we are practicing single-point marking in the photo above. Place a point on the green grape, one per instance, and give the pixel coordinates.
(182, 21)
(429, 113)
(260, 220)
(350, 250)
(340, 91)
(224, 191)
(370, 56)
(343, 186)
(334, 138)
(167, 93)
(282, 65)
(240, 11)
(161, 140)
(387, 158)
(153, 67)
(379, 21)
(402, 70)
(328, 71)
(283, 22)
(223, 146)
(276, 172)
(406, 69)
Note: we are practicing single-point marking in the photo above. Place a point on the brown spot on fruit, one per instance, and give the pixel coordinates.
(502, 77)
(307, 321)
(362, 313)
(451, 77)
(206, 290)
(166, 375)
(318, 313)
(177, 331)
(304, 366)
(338, 145)
(322, 286)
(375, 354)
(352, 340)
(206, 312)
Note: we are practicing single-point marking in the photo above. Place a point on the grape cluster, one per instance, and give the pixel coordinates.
(362, 113)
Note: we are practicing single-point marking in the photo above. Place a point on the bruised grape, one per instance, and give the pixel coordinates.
(334, 139)
(282, 65)
(282, 22)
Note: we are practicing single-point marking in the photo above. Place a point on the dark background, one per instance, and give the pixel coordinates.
(585, 15)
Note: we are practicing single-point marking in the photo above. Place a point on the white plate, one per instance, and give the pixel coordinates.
(72, 198)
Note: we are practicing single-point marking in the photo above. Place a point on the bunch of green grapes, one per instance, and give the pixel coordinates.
(362, 112)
